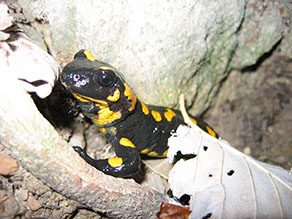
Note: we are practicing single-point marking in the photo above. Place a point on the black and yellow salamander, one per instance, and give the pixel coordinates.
(131, 126)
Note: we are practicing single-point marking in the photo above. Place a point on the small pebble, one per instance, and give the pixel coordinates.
(33, 204)
(8, 166)
(22, 193)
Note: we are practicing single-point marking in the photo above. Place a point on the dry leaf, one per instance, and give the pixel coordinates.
(170, 211)
(35, 68)
(225, 183)
(5, 21)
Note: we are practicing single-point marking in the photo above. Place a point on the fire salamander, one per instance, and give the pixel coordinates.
(131, 126)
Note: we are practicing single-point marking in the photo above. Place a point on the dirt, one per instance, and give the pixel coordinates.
(24, 196)
(253, 110)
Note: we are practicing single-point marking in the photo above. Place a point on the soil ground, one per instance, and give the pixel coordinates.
(253, 111)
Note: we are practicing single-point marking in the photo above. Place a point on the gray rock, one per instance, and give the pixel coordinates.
(165, 47)
(263, 27)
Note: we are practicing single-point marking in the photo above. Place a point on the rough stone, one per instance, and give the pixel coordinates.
(263, 27)
(165, 47)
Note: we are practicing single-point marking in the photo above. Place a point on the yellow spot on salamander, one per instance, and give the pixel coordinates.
(126, 142)
(169, 114)
(105, 115)
(131, 96)
(153, 154)
(144, 108)
(115, 97)
(102, 130)
(115, 161)
(210, 131)
(156, 115)
(165, 153)
(194, 121)
(82, 99)
(106, 68)
(144, 151)
(89, 55)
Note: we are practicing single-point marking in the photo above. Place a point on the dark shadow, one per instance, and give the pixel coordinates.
(265, 56)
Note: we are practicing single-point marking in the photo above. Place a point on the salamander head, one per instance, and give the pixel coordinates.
(96, 82)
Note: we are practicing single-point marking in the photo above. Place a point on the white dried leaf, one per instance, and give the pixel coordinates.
(225, 183)
(5, 18)
(34, 68)
(38, 66)
(4, 36)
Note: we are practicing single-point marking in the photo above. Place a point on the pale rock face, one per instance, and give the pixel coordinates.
(164, 47)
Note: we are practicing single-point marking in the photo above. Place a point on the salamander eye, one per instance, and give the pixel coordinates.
(105, 77)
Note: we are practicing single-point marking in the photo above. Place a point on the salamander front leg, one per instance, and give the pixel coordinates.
(128, 163)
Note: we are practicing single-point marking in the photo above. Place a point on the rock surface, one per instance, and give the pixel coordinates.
(265, 24)
(167, 47)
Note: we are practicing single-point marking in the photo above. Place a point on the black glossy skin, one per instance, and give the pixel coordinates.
(94, 84)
